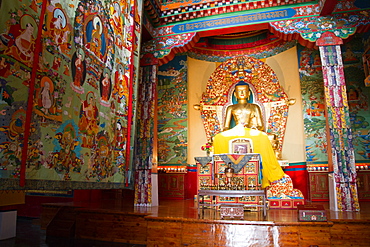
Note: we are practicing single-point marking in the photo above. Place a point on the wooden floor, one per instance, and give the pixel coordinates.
(176, 223)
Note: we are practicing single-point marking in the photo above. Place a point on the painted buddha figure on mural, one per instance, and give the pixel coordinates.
(249, 124)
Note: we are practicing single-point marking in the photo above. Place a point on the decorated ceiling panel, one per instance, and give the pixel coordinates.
(164, 12)
(288, 21)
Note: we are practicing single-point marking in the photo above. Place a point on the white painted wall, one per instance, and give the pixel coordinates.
(198, 75)
(285, 65)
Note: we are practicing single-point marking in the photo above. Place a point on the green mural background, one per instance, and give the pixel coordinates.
(358, 96)
(312, 87)
(172, 112)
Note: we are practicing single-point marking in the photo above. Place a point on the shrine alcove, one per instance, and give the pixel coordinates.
(265, 91)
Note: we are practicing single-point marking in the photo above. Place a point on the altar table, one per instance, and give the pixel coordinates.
(229, 193)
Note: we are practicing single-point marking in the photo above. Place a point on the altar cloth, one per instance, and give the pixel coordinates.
(238, 161)
(203, 160)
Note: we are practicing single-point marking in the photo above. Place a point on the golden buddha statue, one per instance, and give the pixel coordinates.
(249, 124)
(247, 114)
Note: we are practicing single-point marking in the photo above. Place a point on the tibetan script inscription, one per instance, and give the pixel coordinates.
(235, 20)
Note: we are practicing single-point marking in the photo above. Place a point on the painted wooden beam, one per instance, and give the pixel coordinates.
(326, 7)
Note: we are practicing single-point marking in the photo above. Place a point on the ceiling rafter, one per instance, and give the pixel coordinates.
(327, 7)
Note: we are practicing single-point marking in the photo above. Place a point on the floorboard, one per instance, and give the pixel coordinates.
(176, 223)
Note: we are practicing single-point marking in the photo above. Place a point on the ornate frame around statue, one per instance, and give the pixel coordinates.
(265, 88)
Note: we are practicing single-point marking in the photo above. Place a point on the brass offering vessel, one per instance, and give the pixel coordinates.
(229, 173)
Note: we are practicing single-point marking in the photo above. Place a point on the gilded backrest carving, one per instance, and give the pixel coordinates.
(266, 91)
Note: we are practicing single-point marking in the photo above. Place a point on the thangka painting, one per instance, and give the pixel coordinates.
(65, 90)
(266, 91)
(172, 112)
(313, 101)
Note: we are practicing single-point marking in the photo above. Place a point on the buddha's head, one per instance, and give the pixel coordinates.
(242, 91)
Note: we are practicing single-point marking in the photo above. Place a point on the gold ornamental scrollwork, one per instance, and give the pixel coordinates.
(265, 88)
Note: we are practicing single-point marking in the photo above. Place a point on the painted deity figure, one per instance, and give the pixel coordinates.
(119, 136)
(120, 84)
(46, 97)
(117, 19)
(57, 25)
(12, 142)
(89, 112)
(249, 124)
(60, 30)
(96, 37)
(24, 43)
(78, 71)
(65, 159)
(89, 120)
(79, 67)
(105, 86)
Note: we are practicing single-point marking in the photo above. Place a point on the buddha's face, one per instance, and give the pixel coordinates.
(242, 92)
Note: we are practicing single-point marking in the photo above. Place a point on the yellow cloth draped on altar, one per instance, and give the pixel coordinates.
(261, 144)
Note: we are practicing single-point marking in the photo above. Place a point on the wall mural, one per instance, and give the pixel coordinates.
(76, 61)
(358, 96)
(313, 102)
(172, 112)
